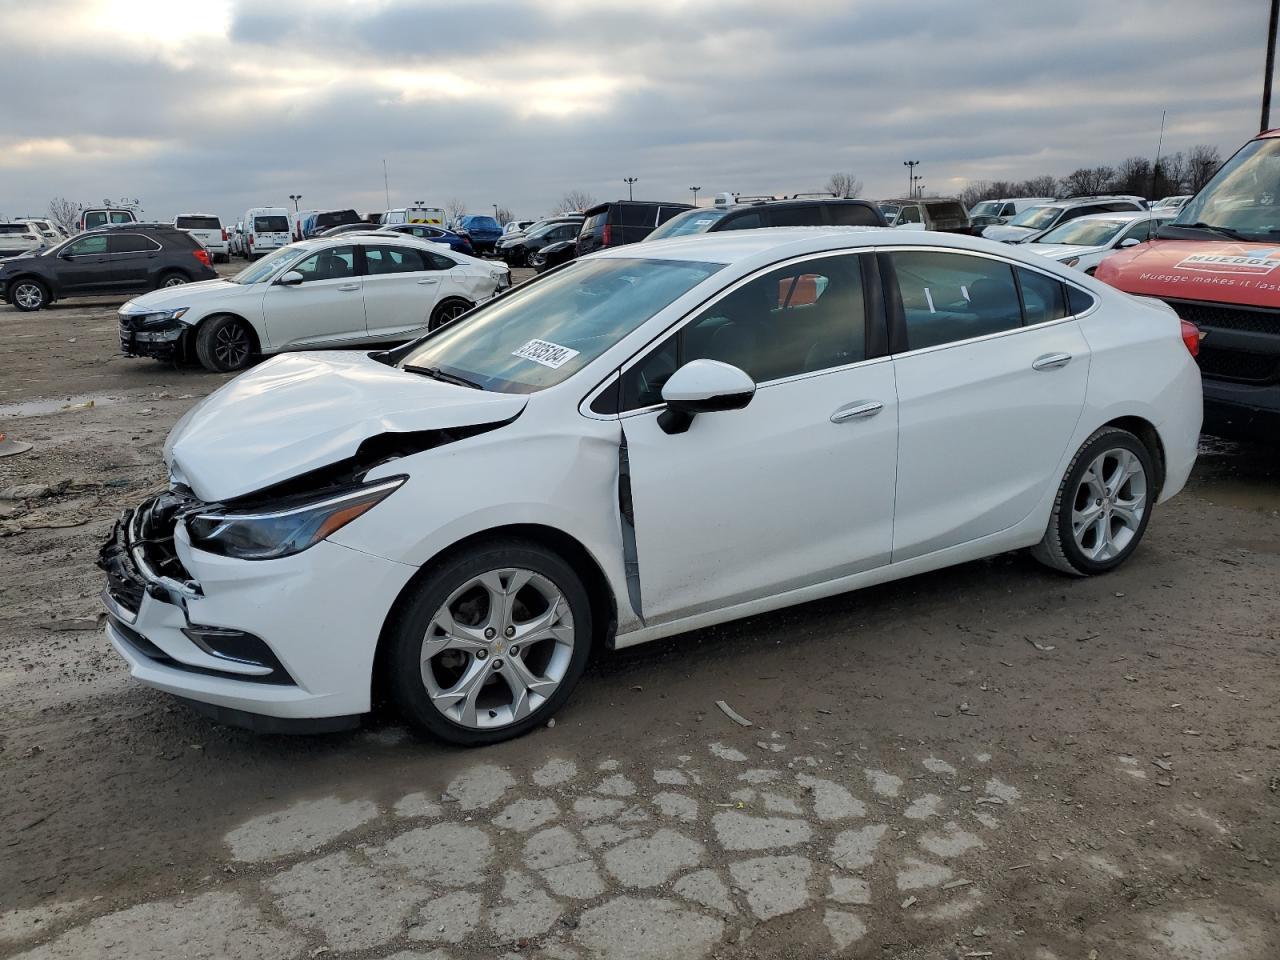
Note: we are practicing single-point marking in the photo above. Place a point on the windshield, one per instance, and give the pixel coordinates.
(1036, 218)
(542, 334)
(689, 222)
(1243, 197)
(987, 208)
(266, 267)
(890, 210)
(1085, 232)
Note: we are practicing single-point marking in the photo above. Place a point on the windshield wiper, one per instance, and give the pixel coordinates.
(1210, 228)
(435, 373)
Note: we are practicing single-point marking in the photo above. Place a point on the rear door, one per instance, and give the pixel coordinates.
(84, 266)
(401, 287)
(134, 258)
(326, 308)
(991, 376)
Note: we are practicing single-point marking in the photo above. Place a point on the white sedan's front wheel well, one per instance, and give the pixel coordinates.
(253, 334)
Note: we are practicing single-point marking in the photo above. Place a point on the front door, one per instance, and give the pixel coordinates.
(326, 308)
(796, 488)
(990, 388)
(84, 266)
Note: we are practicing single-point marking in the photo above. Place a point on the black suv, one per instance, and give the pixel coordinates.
(123, 259)
(623, 221)
(751, 213)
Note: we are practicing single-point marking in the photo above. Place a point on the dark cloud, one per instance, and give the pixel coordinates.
(311, 96)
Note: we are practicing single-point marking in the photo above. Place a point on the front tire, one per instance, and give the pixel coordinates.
(1103, 505)
(491, 643)
(224, 344)
(29, 295)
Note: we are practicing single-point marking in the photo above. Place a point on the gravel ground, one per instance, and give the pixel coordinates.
(985, 761)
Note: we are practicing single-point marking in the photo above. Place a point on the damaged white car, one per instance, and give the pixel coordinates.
(652, 439)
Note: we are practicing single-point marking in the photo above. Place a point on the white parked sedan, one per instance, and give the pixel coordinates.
(652, 439)
(332, 291)
(1085, 242)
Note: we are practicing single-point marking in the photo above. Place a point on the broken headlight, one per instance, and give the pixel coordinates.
(267, 534)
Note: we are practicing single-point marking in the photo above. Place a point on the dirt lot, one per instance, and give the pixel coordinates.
(986, 761)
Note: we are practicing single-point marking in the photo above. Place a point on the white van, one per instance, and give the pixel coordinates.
(208, 230)
(433, 215)
(296, 220)
(265, 229)
(92, 218)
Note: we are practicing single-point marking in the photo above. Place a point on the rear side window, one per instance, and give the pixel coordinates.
(131, 243)
(594, 223)
(1078, 301)
(92, 220)
(198, 223)
(435, 261)
(638, 215)
(1043, 298)
(85, 246)
(948, 297)
(383, 260)
(852, 215)
(748, 221)
(801, 215)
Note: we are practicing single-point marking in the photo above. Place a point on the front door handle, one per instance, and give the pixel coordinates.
(858, 410)
(428, 280)
(347, 287)
(1051, 361)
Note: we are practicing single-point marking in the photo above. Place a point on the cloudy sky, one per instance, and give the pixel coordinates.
(216, 105)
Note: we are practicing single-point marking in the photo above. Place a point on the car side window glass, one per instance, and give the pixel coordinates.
(1139, 231)
(796, 319)
(335, 263)
(642, 384)
(121, 218)
(910, 214)
(1043, 298)
(852, 215)
(1078, 301)
(805, 215)
(384, 260)
(748, 221)
(130, 243)
(435, 261)
(88, 245)
(948, 297)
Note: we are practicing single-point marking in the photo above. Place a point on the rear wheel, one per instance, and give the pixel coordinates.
(28, 295)
(1103, 505)
(446, 312)
(173, 278)
(224, 344)
(491, 644)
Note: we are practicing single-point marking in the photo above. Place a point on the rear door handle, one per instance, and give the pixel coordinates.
(349, 286)
(428, 280)
(858, 410)
(1051, 361)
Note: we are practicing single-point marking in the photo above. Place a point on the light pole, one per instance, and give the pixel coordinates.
(629, 181)
(495, 210)
(917, 190)
(694, 191)
(295, 197)
(911, 176)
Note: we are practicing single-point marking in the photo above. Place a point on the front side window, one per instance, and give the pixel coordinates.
(1140, 231)
(130, 243)
(333, 263)
(87, 246)
(909, 214)
(801, 318)
(542, 333)
(949, 296)
(748, 221)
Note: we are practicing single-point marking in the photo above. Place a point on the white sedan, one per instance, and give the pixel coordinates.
(1085, 242)
(333, 291)
(653, 439)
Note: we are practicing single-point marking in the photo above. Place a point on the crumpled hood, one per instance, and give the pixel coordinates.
(167, 298)
(301, 411)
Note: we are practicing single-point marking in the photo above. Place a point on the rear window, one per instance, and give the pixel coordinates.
(333, 218)
(594, 224)
(639, 215)
(198, 223)
(92, 220)
(481, 223)
(271, 224)
(948, 211)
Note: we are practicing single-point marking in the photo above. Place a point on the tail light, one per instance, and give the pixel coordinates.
(224, 234)
(607, 235)
(202, 255)
(29, 236)
(1191, 337)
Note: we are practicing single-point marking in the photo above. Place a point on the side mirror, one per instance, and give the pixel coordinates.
(703, 386)
(291, 279)
(1129, 242)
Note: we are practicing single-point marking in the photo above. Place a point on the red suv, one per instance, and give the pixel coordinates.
(1218, 265)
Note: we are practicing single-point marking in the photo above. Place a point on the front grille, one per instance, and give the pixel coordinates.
(1239, 365)
(1252, 319)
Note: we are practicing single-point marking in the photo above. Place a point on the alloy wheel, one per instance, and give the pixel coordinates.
(498, 648)
(1109, 504)
(28, 296)
(231, 346)
(174, 281)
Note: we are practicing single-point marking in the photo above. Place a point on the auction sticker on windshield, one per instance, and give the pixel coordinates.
(546, 353)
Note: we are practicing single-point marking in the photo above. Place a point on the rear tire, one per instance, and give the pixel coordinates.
(172, 278)
(1103, 505)
(523, 655)
(224, 344)
(28, 295)
(447, 311)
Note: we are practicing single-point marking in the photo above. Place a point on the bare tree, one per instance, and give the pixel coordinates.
(1045, 185)
(503, 215)
(1087, 181)
(844, 185)
(65, 214)
(1173, 171)
(976, 191)
(1133, 176)
(574, 201)
(1202, 163)
(455, 208)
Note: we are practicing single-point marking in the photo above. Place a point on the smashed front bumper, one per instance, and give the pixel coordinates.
(292, 639)
(162, 342)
